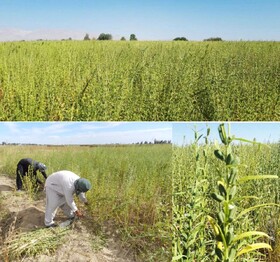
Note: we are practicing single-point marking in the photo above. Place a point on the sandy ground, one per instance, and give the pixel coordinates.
(81, 244)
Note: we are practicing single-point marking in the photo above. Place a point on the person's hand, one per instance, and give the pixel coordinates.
(79, 214)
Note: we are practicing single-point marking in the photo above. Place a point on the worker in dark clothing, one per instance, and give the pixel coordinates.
(29, 166)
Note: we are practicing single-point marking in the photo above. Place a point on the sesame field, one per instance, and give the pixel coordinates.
(160, 81)
(129, 203)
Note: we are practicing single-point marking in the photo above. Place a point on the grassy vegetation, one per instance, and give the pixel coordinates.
(92, 80)
(131, 189)
(226, 201)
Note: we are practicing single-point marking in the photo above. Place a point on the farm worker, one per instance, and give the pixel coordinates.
(26, 165)
(60, 188)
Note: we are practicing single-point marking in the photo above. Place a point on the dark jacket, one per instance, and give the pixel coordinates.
(28, 164)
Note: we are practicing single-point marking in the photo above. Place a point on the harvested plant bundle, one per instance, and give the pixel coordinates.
(32, 243)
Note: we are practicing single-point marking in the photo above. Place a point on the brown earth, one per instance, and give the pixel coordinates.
(81, 243)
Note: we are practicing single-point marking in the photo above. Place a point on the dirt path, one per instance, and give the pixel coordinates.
(79, 245)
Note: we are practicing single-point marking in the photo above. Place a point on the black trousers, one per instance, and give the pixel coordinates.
(20, 174)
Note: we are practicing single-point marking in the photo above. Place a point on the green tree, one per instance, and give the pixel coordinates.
(123, 39)
(133, 37)
(180, 39)
(213, 39)
(104, 36)
(86, 37)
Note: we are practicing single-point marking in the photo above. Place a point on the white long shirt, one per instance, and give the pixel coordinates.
(62, 182)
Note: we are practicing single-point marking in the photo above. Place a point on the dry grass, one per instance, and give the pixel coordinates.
(30, 244)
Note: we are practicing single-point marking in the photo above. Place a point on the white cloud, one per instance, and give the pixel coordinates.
(90, 126)
(84, 133)
(16, 34)
(8, 34)
(52, 128)
(12, 127)
(121, 137)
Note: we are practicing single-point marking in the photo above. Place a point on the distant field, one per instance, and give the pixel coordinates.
(96, 80)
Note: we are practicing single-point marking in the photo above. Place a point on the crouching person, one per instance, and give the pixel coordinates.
(60, 189)
(29, 166)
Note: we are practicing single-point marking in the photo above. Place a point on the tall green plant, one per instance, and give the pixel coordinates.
(230, 244)
(30, 185)
(189, 203)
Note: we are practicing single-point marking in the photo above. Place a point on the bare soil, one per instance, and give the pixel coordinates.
(81, 243)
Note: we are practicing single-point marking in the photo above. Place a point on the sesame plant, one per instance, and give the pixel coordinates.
(234, 242)
(139, 81)
(189, 202)
(29, 184)
(225, 200)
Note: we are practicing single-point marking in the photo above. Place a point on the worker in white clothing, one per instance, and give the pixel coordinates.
(60, 189)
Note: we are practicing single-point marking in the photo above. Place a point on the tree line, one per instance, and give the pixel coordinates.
(156, 142)
(104, 36)
(207, 39)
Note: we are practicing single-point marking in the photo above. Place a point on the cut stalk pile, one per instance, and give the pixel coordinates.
(33, 243)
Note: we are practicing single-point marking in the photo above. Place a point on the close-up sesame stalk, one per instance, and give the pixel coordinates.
(189, 242)
(230, 243)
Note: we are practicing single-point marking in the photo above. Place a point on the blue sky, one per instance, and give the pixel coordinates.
(148, 19)
(128, 132)
(262, 131)
(59, 133)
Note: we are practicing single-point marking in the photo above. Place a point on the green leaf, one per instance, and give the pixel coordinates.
(257, 177)
(255, 207)
(177, 257)
(199, 138)
(253, 247)
(249, 234)
(248, 141)
(214, 225)
(248, 197)
(179, 193)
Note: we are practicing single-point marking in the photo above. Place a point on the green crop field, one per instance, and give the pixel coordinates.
(170, 81)
(226, 201)
(130, 189)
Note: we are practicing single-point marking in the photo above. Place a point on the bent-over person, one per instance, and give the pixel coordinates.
(60, 189)
(29, 166)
